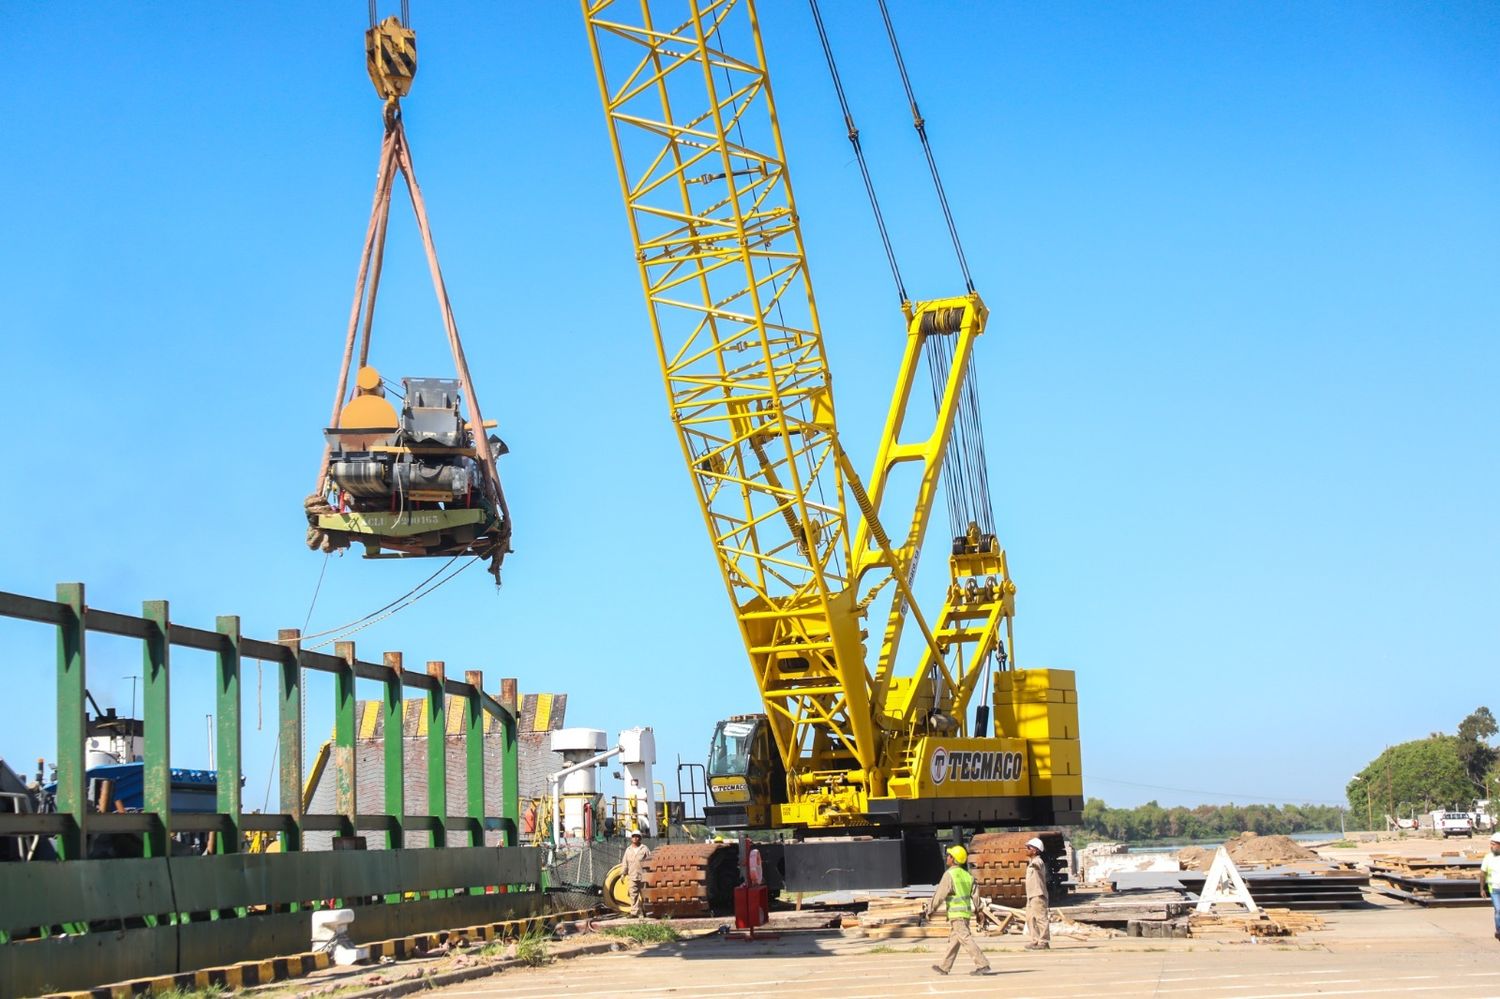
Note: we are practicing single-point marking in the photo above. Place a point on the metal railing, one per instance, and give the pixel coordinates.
(158, 906)
(72, 822)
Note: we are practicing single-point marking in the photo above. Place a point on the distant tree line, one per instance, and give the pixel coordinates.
(1440, 771)
(1204, 822)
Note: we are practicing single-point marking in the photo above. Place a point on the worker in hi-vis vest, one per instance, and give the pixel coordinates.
(1489, 878)
(957, 889)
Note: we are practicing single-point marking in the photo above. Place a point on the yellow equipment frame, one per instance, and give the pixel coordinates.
(719, 247)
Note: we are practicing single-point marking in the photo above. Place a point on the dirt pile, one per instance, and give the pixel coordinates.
(1248, 848)
(1195, 858)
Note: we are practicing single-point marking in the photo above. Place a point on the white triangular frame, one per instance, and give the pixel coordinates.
(1224, 886)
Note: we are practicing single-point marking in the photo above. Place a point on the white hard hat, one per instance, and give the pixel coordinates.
(1034, 842)
(1495, 838)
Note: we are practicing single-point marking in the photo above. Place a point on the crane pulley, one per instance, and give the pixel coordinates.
(421, 481)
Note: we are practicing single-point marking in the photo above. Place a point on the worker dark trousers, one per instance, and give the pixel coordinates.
(960, 937)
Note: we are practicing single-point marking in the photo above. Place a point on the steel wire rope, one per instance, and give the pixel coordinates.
(959, 489)
(301, 680)
(966, 451)
(415, 596)
(921, 126)
(357, 621)
(405, 14)
(859, 153)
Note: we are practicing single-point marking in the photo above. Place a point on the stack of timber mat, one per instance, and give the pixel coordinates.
(1451, 879)
(1297, 886)
(1265, 923)
(885, 918)
(1139, 913)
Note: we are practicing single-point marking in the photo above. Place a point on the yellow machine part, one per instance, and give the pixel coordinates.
(965, 768)
(368, 410)
(822, 599)
(391, 57)
(617, 889)
(268, 842)
(729, 790)
(1041, 707)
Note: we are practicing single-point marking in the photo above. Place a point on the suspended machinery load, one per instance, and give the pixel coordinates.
(420, 480)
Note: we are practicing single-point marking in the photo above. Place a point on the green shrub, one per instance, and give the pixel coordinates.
(644, 932)
(531, 948)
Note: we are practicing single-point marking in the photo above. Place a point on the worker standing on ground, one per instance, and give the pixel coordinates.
(1038, 916)
(957, 888)
(635, 873)
(1489, 879)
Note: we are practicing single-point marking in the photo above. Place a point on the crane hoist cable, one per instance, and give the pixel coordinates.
(422, 482)
(859, 152)
(965, 469)
(920, 124)
(405, 14)
(971, 475)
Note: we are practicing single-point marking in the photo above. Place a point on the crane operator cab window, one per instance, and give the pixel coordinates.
(731, 750)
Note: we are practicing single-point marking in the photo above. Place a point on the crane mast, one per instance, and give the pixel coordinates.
(693, 126)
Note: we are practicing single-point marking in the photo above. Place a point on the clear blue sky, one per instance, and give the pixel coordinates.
(1240, 378)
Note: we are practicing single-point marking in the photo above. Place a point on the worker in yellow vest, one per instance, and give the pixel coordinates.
(1489, 878)
(957, 889)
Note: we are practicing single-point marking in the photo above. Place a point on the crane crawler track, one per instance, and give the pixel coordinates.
(998, 863)
(687, 880)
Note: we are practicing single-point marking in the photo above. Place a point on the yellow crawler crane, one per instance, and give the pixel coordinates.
(864, 762)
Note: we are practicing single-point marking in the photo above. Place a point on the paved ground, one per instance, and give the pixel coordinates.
(1369, 952)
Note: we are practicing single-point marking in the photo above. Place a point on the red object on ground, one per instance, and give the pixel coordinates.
(752, 906)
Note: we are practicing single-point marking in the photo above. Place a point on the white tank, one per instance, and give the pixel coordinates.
(581, 787)
(99, 753)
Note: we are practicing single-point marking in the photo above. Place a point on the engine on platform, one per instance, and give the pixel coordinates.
(408, 483)
(382, 460)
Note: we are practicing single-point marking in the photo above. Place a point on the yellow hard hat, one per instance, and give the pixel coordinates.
(959, 854)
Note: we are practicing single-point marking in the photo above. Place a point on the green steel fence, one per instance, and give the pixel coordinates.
(77, 922)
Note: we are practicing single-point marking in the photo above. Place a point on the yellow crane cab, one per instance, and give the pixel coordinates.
(745, 775)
